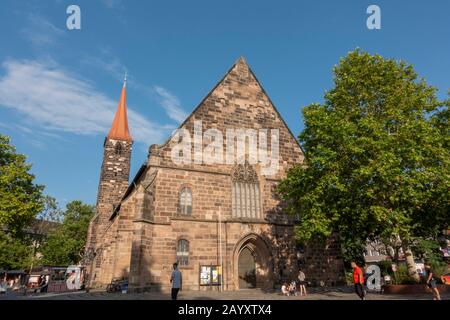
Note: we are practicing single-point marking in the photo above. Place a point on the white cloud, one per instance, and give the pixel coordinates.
(40, 32)
(107, 62)
(112, 65)
(117, 7)
(171, 104)
(57, 100)
(112, 3)
(35, 138)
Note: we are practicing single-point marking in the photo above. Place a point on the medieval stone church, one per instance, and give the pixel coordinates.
(223, 223)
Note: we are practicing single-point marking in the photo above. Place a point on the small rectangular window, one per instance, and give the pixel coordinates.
(183, 252)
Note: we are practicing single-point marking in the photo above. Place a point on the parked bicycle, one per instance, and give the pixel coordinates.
(117, 285)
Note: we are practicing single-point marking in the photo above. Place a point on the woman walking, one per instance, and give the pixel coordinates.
(302, 282)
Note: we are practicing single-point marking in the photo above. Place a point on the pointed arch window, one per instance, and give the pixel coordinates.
(183, 252)
(245, 197)
(186, 201)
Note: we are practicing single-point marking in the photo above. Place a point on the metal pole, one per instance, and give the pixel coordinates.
(220, 249)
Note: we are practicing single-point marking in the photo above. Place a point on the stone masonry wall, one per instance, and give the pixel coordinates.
(150, 223)
(113, 183)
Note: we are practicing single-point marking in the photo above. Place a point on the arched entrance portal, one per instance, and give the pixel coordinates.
(253, 265)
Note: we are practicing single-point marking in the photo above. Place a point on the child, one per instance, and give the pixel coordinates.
(284, 289)
(293, 289)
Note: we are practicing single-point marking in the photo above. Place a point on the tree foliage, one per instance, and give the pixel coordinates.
(20, 198)
(377, 156)
(15, 253)
(21, 203)
(51, 211)
(65, 245)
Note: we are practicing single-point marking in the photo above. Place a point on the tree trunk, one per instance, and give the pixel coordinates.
(396, 249)
(411, 265)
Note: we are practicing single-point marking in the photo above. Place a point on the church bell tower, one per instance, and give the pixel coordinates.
(115, 169)
(114, 176)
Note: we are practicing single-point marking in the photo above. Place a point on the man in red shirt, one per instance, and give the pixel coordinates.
(358, 280)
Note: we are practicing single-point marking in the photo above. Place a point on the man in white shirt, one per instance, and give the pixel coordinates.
(176, 279)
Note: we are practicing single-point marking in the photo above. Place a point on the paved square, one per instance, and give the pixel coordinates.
(249, 294)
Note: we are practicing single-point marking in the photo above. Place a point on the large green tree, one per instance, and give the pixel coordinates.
(65, 245)
(377, 157)
(20, 198)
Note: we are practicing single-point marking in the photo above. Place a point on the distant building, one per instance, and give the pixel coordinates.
(445, 245)
(38, 229)
(376, 251)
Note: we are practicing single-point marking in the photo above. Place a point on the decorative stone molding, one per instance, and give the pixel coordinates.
(244, 173)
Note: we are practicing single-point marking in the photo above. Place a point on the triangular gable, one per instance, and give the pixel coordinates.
(241, 69)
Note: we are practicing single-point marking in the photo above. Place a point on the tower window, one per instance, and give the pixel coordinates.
(183, 252)
(186, 201)
(119, 149)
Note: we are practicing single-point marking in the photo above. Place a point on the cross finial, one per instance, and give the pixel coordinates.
(125, 79)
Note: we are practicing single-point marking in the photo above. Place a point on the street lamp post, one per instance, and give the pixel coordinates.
(220, 249)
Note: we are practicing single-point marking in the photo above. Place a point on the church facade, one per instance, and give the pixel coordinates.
(222, 222)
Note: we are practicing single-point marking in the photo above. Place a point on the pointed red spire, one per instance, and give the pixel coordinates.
(119, 129)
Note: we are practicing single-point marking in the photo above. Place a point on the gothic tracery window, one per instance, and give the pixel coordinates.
(245, 198)
(186, 201)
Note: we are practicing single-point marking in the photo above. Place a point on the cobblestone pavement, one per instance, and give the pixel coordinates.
(251, 294)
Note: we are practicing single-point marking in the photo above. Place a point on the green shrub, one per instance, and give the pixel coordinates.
(349, 278)
(439, 268)
(385, 268)
(401, 276)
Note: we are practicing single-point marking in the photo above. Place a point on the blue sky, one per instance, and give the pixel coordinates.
(59, 88)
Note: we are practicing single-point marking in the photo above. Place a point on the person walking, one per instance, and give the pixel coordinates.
(358, 280)
(177, 280)
(302, 282)
(44, 284)
(366, 276)
(432, 283)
